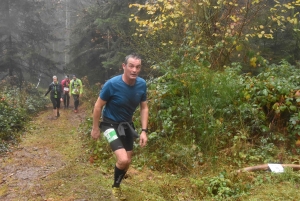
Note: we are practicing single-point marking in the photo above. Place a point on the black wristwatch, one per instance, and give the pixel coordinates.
(146, 130)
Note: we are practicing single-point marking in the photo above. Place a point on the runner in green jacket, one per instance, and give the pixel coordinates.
(76, 90)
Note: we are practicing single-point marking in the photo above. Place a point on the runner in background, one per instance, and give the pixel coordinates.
(76, 90)
(56, 91)
(65, 83)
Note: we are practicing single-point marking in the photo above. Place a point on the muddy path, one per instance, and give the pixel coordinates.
(48, 147)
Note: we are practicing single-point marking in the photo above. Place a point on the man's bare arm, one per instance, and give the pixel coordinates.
(96, 117)
(144, 121)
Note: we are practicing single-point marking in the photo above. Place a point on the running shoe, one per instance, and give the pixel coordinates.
(117, 195)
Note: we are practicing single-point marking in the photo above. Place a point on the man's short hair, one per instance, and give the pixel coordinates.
(54, 77)
(133, 55)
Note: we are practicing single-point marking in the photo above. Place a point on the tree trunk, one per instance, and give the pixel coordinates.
(67, 37)
(9, 46)
(266, 167)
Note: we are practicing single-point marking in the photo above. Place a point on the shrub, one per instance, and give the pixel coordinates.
(16, 107)
(197, 115)
(12, 120)
(214, 111)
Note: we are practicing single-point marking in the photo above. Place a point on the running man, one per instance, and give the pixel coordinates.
(55, 90)
(65, 83)
(121, 95)
(76, 91)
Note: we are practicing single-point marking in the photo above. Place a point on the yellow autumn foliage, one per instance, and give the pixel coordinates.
(204, 23)
(172, 10)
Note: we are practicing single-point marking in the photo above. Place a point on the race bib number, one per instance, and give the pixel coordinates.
(75, 91)
(66, 89)
(110, 134)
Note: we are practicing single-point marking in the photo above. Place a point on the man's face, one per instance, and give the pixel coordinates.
(54, 80)
(132, 68)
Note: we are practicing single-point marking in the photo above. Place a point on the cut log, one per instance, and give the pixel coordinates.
(266, 167)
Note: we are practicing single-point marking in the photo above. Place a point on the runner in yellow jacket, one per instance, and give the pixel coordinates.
(76, 90)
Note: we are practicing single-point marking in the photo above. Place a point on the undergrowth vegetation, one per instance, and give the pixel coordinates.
(208, 117)
(17, 105)
(204, 125)
(198, 115)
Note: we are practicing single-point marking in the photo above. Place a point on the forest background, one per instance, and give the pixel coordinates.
(222, 79)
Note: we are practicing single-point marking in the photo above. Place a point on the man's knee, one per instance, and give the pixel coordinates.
(123, 162)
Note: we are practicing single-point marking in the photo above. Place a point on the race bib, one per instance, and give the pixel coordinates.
(75, 91)
(110, 134)
(66, 89)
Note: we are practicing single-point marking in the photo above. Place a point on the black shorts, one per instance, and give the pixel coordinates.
(125, 142)
(66, 95)
(55, 102)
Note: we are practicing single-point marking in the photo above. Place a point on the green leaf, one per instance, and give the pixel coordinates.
(293, 108)
(265, 92)
(282, 108)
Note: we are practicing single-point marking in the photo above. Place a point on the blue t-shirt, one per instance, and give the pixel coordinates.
(122, 99)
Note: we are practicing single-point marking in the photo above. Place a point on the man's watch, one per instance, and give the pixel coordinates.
(146, 130)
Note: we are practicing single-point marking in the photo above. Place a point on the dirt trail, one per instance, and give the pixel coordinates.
(52, 163)
(43, 151)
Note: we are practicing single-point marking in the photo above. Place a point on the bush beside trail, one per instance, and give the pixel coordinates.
(17, 105)
(203, 122)
(203, 127)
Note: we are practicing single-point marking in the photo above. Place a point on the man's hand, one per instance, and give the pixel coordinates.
(95, 133)
(143, 139)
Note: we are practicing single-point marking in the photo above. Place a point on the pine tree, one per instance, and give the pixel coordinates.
(24, 38)
(102, 39)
